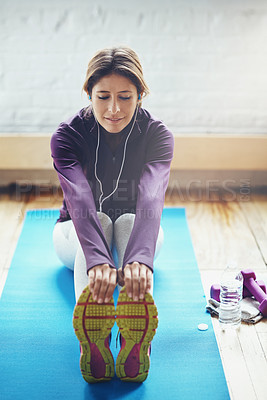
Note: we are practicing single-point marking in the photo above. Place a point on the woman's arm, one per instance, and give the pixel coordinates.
(150, 201)
(102, 274)
(66, 153)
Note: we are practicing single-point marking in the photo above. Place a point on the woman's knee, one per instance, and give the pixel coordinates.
(124, 225)
(104, 218)
(107, 226)
(65, 242)
(125, 220)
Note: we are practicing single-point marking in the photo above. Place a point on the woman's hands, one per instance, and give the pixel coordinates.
(102, 280)
(138, 280)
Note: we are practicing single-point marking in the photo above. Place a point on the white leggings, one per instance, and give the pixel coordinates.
(69, 250)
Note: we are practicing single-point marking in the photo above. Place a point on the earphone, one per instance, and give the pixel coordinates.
(101, 199)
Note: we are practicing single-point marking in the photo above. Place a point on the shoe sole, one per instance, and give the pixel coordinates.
(92, 323)
(137, 322)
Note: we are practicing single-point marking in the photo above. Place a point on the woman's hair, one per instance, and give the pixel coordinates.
(116, 60)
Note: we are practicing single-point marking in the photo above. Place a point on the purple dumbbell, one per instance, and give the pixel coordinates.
(215, 290)
(259, 294)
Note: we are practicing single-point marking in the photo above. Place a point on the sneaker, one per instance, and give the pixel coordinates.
(137, 322)
(92, 323)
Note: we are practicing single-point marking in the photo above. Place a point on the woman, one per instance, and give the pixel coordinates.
(113, 161)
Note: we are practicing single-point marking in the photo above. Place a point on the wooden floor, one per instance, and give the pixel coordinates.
(224, 226)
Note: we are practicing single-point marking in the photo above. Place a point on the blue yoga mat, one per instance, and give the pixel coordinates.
(39, 352)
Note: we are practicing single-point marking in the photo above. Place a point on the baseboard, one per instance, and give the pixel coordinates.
(28, 157)
(220, 152)
(203, 152)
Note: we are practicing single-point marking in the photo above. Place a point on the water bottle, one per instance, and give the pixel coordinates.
(230, 298)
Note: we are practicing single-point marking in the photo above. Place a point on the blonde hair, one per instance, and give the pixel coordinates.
(116, 60)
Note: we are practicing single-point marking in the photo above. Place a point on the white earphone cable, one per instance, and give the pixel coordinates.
(101, 199)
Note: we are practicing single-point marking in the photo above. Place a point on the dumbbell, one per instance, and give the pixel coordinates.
(215, 290)
(259, 294)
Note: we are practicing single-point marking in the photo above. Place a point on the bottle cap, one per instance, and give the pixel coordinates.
(203, 327)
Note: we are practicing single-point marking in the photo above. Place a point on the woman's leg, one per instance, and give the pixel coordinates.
(66, 242)
(122, 230)
(80, 270)
(132, 363)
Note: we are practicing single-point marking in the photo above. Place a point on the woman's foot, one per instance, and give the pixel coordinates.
(92, 323)
(137, 322)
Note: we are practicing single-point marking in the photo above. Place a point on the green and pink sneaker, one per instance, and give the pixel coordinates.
(137, 322)
(92, 323)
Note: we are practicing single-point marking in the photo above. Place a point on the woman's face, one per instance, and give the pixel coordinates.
(114, 100)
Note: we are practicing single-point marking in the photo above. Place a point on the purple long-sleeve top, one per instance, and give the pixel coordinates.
(141, 189)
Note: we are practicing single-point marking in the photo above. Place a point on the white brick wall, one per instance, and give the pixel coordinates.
(204, 60)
